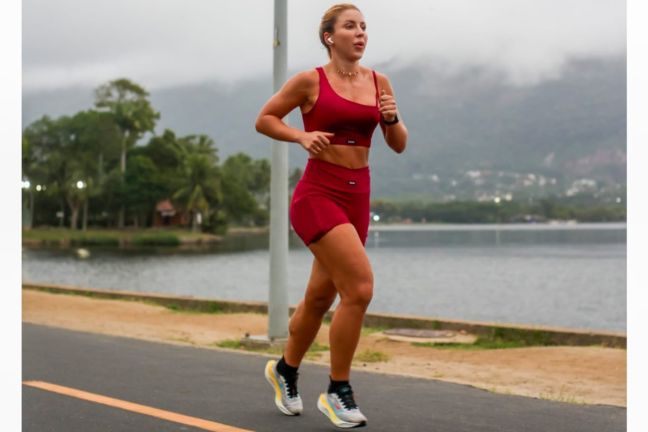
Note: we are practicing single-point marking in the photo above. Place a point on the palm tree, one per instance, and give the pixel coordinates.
(200, 180)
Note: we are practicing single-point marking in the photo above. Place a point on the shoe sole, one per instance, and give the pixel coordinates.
(325, 408)
(269, 375)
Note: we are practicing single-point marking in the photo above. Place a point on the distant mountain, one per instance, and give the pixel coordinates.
(472, 135)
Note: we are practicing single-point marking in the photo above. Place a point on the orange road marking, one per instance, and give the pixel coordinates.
(141, 409)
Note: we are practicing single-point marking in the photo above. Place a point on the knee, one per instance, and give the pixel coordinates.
(313, 307)
(318, 304)
(359, 293)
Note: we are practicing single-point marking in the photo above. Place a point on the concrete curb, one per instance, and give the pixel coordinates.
(538, 335)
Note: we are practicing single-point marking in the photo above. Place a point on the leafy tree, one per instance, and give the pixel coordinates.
(167, 153)
(61, 154)
(133, 113)
(246, 189)
(113, 195)
(95, 142)
(30, 173)
(260, 182)
(294, 178)
(101, 137)
(48, 147)
(143, 189)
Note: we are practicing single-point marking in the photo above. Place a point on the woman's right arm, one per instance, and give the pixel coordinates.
(295, 92)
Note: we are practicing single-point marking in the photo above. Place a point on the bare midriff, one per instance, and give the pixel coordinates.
(345, 155)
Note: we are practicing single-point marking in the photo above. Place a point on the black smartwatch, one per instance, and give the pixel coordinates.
(393, 122)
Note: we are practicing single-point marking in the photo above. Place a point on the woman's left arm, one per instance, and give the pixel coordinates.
(396, 133)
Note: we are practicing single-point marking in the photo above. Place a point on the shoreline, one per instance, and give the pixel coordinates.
(531, 335)
(571, 374)
(124, 238)
(134, 237)
(551, 225)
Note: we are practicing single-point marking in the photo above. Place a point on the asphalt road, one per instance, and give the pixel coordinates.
(229, 389)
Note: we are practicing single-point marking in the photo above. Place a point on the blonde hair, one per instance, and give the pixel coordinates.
(328, 21)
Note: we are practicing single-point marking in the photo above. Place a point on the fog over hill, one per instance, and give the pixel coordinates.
(473, 134)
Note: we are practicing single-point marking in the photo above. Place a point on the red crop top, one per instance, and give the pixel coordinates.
(352, 123)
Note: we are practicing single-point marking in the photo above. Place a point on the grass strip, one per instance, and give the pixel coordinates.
(112, 237)
(237, 344)
(371, 356)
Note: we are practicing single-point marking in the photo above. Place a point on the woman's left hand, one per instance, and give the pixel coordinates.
(387, 107)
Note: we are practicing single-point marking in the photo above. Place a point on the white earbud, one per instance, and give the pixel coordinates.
(330, 40)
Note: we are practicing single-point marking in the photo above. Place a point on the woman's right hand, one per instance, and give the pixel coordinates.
(315, 142)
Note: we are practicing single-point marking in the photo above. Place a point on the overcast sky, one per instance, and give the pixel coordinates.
(161, 43)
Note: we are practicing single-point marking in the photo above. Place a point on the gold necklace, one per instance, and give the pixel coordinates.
(347, 74)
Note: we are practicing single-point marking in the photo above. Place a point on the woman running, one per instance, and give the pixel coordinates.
(341, 103)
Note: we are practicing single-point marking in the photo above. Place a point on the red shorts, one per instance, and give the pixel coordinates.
(328, 195)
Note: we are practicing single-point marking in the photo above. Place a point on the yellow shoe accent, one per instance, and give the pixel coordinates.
(327, 410)
(272, 380)
(270, 376)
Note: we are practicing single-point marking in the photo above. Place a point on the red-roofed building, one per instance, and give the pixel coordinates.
(167, 215)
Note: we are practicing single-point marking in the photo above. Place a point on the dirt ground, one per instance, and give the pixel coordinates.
(588, 375)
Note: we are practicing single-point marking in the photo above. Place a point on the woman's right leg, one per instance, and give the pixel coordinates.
(303, 327)
(307, 318)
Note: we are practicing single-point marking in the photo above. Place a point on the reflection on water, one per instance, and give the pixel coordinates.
(572, 276)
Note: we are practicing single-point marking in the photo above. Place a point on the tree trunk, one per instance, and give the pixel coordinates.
(74, 217)
(74, 208)
(85, 215)
(62, 219)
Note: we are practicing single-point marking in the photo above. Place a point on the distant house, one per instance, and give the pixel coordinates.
(167, 215)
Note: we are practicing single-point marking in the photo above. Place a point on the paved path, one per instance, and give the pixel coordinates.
(228, 389)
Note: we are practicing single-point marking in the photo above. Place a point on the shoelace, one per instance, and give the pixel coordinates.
(345, 394)
(291, 384)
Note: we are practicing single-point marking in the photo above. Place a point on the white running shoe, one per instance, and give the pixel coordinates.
(341, 409)
(287, 397)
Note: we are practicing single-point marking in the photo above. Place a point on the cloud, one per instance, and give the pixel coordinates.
(162, 43)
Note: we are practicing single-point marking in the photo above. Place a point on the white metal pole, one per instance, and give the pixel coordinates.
(278, 299)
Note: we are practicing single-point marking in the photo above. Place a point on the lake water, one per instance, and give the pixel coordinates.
(558, 275)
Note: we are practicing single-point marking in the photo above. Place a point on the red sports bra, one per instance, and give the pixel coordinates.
(352, 123)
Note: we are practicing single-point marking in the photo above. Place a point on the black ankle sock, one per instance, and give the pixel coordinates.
(285, 369)
(334, 385)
